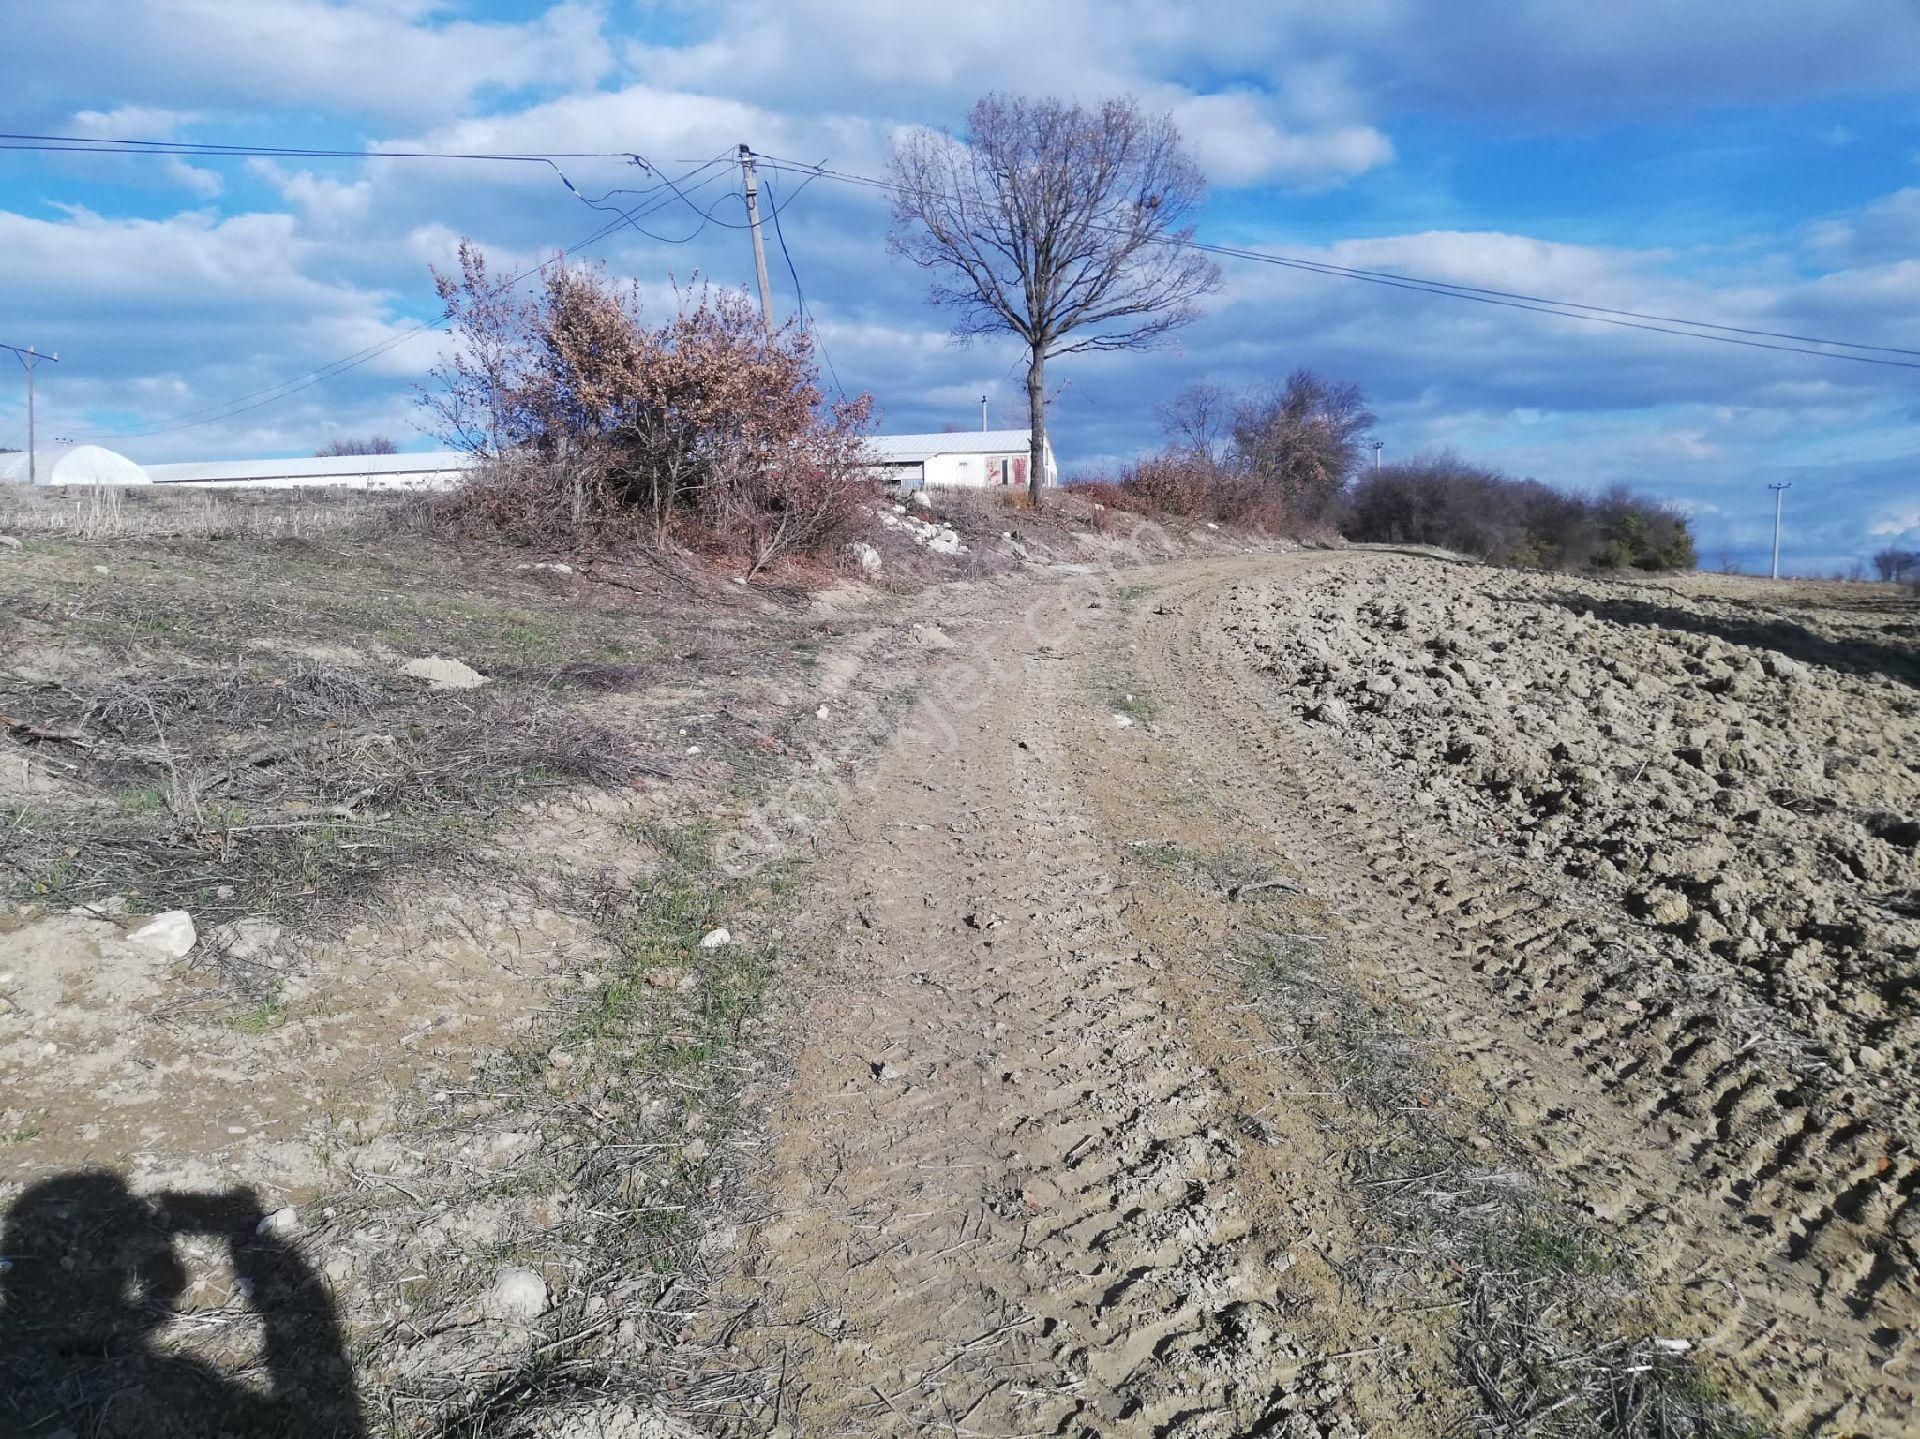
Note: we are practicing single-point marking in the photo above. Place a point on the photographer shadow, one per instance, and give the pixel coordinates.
(90, 1285)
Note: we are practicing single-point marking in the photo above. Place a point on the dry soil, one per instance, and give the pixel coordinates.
(1618, 881)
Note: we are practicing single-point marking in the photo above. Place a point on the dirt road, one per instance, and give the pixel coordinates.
(1176, 1069)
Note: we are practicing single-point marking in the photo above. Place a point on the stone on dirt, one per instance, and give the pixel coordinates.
(281, 1224)
(716, 938)
(866, 556)
(444, 674)
(171, 934)
(517, 1293)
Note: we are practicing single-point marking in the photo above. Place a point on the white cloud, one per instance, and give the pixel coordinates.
(386, 59)
(926, 65)
(141, 122)
(1887, 229)
(669, 127)
(1236, 143)
(329, 205)
(131, 122)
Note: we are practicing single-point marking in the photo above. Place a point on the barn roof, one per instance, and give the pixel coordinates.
(310, 469)
(905, 449)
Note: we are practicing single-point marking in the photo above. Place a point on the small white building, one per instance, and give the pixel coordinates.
(973, 459)
(440, 470)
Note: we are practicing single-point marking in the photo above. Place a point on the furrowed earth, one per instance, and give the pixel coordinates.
(1144, 984)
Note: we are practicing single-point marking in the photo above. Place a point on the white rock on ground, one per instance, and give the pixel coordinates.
(517, 1293)
(8, 542)
(281, 1224)
(866, 556)
(715, 938)
(171, 934)
(1123, 721)
(444, 674)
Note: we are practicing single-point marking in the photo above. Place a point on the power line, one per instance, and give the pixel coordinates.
(85, 145)
(681, 190)
(81, 145)
(799, 294)
(1653, 323)
(1563, 309)
(272, 394)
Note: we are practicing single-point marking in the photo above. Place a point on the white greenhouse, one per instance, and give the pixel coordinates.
(73, 465)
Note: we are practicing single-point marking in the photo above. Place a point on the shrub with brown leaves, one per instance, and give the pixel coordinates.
(599, 426)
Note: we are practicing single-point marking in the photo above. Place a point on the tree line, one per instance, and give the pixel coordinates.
(1296, 458)
(1897, 566)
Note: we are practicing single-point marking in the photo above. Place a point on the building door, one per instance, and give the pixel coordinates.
(1020, 471)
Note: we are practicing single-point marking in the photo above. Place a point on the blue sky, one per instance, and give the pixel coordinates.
(1755, 165)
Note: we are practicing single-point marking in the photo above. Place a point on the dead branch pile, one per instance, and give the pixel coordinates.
(231, 793)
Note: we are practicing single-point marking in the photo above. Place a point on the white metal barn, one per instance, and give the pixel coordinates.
(441, 470)
(973, 459)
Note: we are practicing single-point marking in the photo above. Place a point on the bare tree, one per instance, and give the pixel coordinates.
(1198, 420)
(371, 445)
(1895, 564)
(472, 394)
(1303, 441)
(1066, 226)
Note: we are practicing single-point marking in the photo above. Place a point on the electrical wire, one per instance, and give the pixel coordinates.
(1654, 323)
(682, 190)
(272, 394)
(800, 294)
(80, 144)
(1564, 309)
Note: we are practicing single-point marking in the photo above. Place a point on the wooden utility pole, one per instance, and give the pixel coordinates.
(759, 250)
(30, 357)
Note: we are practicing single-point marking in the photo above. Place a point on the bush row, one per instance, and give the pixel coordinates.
(1447, 502)
(1292, 461)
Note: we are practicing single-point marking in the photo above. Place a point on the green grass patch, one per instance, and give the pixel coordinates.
(262, 1018)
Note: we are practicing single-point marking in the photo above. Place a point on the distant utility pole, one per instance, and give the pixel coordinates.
(1378, 445)
(759, 250)
(983, 414)
(30, 357)
(1776, 524)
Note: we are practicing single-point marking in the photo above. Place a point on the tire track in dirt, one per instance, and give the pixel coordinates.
(1770, 1207)
(1003, 1194)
